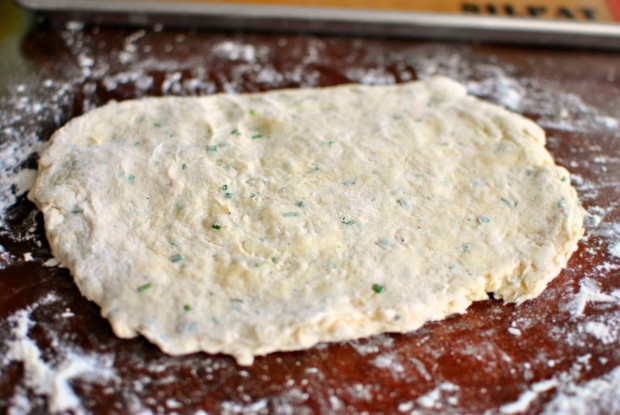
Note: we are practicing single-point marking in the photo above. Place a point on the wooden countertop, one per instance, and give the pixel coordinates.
(493, 359)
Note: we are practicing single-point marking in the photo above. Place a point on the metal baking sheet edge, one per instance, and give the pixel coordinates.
(438, 26)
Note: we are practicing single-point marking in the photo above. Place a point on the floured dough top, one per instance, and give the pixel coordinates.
(247, 224)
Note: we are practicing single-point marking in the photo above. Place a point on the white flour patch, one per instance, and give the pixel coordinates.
(589, 292)
(15, 180)
(439, 396)
(601, 331)
(372, 76)
(237, 408)
(361, 392)
(597, 396)
(526, 398)
(520, 405)
(514, 331)
(236, 51)
(371, 345)
(51, 380)
(5, 257)
(507, 90)
(388, 361)
(130, 46)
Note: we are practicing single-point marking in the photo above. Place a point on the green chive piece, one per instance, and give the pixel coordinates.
(184, 166)
(235, 132)
(384, 243)
(377, 288)
(330, 143)
(300, 204)
(346, 221)
(186, 308)
(253, 195)
(77, 210)
(290, 214)
(402, 202)
(136, 144)
(156, 125)
(215, 226)
(177, 258)
(260, 264)
(236, 300)
(131, 178)
(506, 201)
(74, 163)
(144, 287)
(564, 179)
(224, 187)
(257, 135)
(212, 148)
(562, 203)
(348, 182)
(465, 247)
(482, 219)
(228, 195)
(252, 112)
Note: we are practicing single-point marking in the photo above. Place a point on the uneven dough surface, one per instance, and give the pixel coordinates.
(248, 224)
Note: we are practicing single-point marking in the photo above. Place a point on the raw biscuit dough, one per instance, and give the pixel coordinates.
(248, 224)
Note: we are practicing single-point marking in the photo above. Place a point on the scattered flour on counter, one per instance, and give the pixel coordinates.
(615, 249)
(15, 180)
(602, 331)
(360, 392)
(372, 76)
(230, 408)
(507, 91)
(405, 406)
(130, 47)
(388, 361)
(50, 380)
(371, 345)
(595, 397)
(435, 398)
(520, 405)
(590, 292)
(557, 109)
(236, 51)
(514, 331)
(526, 398)
(21, 122)
(5, 257)
(598, 396)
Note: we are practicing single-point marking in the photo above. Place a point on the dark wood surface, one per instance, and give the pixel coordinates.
(471, 363)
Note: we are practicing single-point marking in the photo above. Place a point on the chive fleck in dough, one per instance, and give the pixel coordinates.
(249, 224)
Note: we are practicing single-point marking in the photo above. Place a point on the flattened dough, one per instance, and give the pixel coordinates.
(248, 224)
